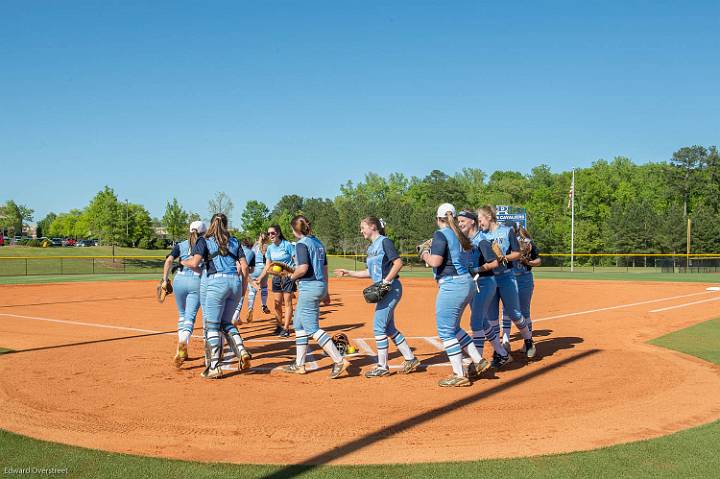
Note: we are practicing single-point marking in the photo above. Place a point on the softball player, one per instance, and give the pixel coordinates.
(483, 262)
(281, 250)
(259, 251)
(186, 289)
(225, 285)
(449, 256)
(250, 259)
(507, 288)
(525, 280)
(384, 264)
(311, 274)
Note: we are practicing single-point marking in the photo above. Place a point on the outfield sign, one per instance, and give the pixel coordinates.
(511, 215)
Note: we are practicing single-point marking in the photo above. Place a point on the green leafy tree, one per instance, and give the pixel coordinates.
(254, 218)
(14, 215)
(43, 226)
(175, 220)
(106, 217)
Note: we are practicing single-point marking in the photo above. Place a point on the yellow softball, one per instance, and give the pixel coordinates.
(277, 268)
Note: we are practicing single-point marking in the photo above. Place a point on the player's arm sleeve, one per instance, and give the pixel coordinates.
(175, 253)
(439, 244)
(200, 247)
(250, 259)
(391, 252)
(514, 245)
(241, 252)
(302, 254)
(486, 251)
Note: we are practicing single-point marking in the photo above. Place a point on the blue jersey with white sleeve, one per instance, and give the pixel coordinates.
(455, 260)
(311, 251)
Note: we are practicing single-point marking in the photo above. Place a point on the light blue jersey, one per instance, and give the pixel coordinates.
(311, 251)
(447, 245)
(380, 256)
(249, 256)
(505, 237)
(226, 263)
(282, 252)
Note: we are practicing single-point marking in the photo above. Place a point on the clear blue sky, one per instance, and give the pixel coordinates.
(263, 98)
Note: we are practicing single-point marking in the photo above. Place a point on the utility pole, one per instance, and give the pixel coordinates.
(687, 256)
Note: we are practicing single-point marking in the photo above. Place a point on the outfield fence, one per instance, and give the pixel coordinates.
(583, 262)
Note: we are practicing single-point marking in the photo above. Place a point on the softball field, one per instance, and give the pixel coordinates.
(92, 366)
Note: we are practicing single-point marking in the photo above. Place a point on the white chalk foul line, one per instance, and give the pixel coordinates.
(620, 306)
(683, 305)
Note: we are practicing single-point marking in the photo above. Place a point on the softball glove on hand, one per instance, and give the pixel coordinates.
(163, 289)
(376, 292)
(424, 247)
(278, 268)
(499, 253)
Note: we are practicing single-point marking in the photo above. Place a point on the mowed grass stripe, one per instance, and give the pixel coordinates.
(687, 454)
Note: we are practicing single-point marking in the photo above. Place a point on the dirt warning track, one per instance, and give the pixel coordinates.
(93, 367)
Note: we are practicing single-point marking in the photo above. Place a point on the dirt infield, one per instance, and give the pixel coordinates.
(94, 368)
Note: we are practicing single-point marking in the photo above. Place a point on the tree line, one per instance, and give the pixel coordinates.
(620, 207)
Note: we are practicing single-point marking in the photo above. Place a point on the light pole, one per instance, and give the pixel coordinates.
(127, 220)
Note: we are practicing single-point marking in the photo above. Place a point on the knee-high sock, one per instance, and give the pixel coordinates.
(454, 352)
(506, 326)
(523, 328)
(382, 351)
(468, 346)
(328, 346)
(402, 346)
(301, 345)
(491, 334)
(478, 338)
(184, 336)
(264, 295)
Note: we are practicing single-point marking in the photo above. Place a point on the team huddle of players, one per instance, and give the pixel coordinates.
(476, 261)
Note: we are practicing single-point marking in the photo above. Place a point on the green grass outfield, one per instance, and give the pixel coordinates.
(687, 454)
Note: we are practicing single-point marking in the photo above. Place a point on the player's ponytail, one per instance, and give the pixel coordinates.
(301, 225)
(378, 223)
(262, 242)
(453, 223)
(218, 230)
(192, 239)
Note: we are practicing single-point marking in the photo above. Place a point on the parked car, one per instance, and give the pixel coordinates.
(69, 242)
(56, 241)
(84, 243)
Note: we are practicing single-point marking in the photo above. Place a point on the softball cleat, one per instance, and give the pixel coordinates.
(476, 369)
(530, 349)
(338, 369)
(212, 373)
(500, 361)
(244, 360)
(181, 355)
(410, 365)
(454, 381)
(293, 368)
(377, 372)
